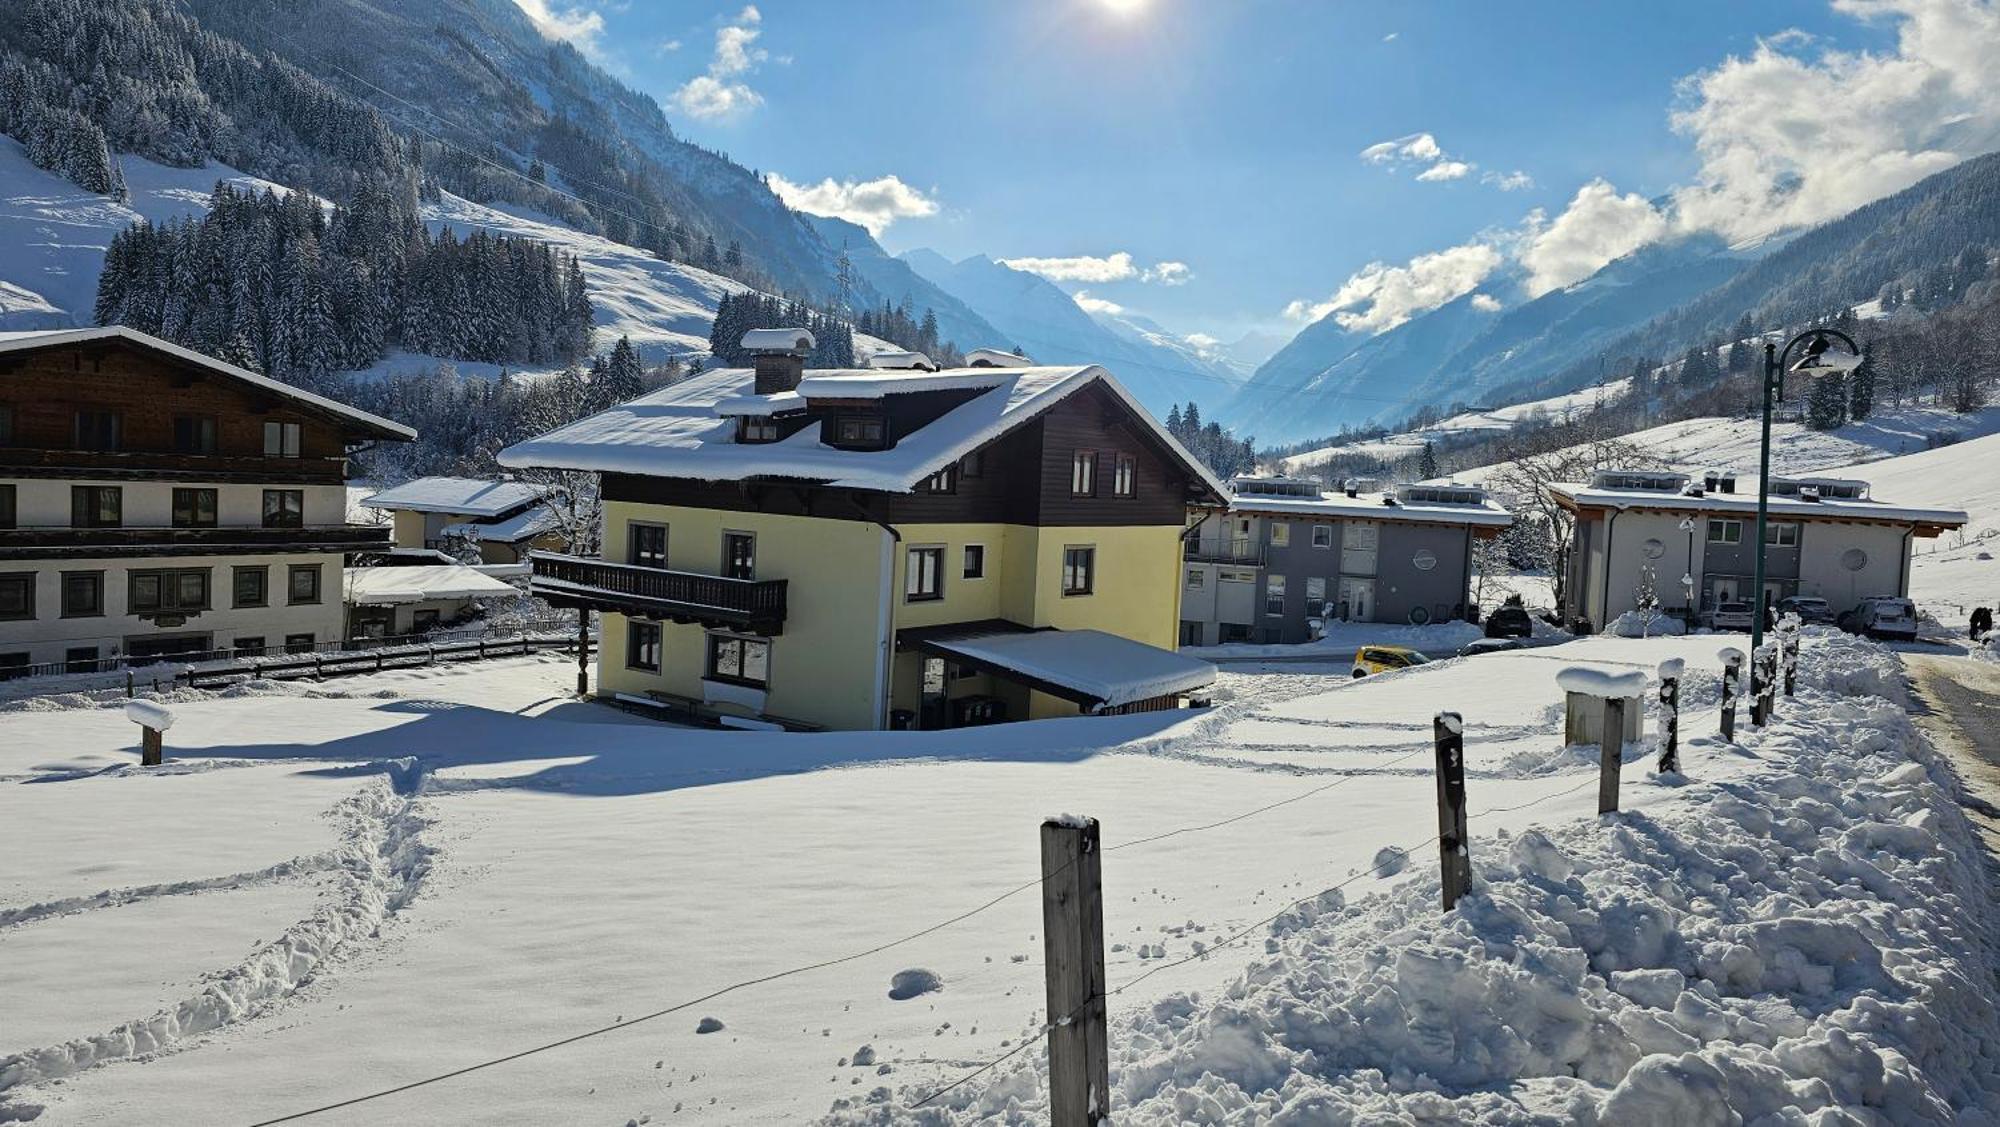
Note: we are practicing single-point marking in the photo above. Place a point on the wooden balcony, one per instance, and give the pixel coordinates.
(1241, 553)
(143, 465)
(106, 543)
(756, 606)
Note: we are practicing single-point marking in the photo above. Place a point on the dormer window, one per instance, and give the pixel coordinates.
(857, 430)
(757, 428)
(943, 481)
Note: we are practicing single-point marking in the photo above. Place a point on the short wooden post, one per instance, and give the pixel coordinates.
(1791, 662)
(1757, 713)
(430, 653)
(151, 750)
(1732, 677)
(1611, 755)
(319, 665)
(1454, 855)
(582, 651)
(128, 684)
(1073, 943)
(1670, 715)
(482, 647)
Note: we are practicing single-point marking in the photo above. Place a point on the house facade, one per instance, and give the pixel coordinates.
(1688, 544)
(154, 501)
(1282, 555)
(870, 548)
(501, 520)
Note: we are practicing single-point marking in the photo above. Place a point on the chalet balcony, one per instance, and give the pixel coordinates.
(103, 543)
(146, 465)
(1240, 553)
(753, 605)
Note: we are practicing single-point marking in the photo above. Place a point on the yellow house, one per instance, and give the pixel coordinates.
(882, 547)
(502, 519)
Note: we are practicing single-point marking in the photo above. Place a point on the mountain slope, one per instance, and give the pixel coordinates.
(893, 280)
(1034, 314)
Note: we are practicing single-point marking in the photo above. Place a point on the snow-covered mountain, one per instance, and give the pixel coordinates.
(1031, 312)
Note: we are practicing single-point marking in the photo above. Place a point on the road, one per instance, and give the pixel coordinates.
(1957, 701)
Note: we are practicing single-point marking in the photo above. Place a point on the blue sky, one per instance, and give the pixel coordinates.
(1229, 137)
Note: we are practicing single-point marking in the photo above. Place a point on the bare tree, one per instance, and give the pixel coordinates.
(572, 497)
(1529, 476)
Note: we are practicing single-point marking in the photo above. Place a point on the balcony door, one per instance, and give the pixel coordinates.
(739, 555)
(646, 545)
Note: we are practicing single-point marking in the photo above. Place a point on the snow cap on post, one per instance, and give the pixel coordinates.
(1600, 683)
(1453, 722)
(149, 714)
(1672, 667)
(795, 341)
(1729, 655)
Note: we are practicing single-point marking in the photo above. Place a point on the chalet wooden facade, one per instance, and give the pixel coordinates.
(840, 548)
(155, 501)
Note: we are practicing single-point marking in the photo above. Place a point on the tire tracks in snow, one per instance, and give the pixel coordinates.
(380, 867)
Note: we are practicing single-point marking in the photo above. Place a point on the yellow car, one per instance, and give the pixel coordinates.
(1382, 659)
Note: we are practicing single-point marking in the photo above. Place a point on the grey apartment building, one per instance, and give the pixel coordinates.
(1285, 553)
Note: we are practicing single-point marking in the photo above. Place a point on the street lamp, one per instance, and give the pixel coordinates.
(1817, 359)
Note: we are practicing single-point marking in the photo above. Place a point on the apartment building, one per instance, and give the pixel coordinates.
(502, 520)
(155, 501)
(882, 547)
(1280, 556)
(1690, 543)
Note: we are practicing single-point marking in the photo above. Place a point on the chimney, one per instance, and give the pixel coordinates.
(779, 356)
(1352, 487)
(1728, 483)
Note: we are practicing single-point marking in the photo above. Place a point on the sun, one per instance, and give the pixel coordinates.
(1124, 7)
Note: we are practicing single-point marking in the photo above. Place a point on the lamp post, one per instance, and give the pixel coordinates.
(1815, 360)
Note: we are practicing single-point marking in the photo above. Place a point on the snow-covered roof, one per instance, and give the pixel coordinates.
(389, 586)
(679, 430)
(902, 360)
(778, 340)
(995, 358)
(1743, 502)
(469, 496)
(1372, 506)
(1089, 666)
(525, 525)
(374, 425)
(776, 403)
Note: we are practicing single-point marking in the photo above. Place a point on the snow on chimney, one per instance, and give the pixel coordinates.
(779, 356)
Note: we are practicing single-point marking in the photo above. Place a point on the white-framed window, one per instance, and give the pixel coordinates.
(1315, 594)
(1274, 595)
(923, 573)
(943, 481)
(1322, 536)
(1196, 577)
(739, 660)
(1781, 534)
(1236, 575)
(1125, 476)
(758, 428)
(1281, 534)
(1083, 474)
(1725, 531)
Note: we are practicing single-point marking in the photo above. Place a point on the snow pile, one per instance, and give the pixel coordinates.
(1810, 942)
(1599, 682)
(1636, 624)
(1341, 639)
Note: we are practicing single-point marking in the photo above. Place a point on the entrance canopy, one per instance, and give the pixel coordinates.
(1096, 670)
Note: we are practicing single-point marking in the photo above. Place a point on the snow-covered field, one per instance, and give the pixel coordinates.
(328, 892)
(1409, 443)
(1959, 570)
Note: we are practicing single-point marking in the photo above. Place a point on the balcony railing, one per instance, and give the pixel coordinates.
(1240, 552)
(754, 605)
(146, 465)
(92, 543)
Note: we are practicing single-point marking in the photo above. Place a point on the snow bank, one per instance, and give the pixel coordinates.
(1341, 639)
(1809, 942)
(1634, 624)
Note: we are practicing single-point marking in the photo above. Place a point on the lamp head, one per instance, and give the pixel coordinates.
(1822, 359)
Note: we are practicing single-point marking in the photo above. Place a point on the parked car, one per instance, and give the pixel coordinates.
(1490, 646)
(1510, 622)
(1382, 659)
(1730, 616)
(1812, 610)
(1883, 616)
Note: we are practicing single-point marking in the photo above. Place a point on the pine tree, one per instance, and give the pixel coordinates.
(1174, 420)
(1861, 386)
(620, 379)
(1826, 402)
(1427, 462)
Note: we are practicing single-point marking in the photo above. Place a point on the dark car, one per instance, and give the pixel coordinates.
(1490, 646)
(1811, 611)
(1510, 622)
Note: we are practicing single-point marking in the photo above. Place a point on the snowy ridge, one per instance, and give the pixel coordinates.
(378, 869)
(1810, 940)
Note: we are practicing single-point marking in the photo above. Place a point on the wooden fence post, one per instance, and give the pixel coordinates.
(128, 684)
(1611, 754)
(582, 651)
(1732, 677)
(1454, 856)
(150, 749)
(1792, 661)
(1670, 715)
(1757, 715)
(1073, 942)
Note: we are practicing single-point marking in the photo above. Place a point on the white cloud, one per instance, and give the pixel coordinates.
(722, 92)
(1514, 181)
(671, 45)
(874, 204)
(1378, 297)
(1418, 147)
(1597, 226)
(579, 26)
(1486, 303)
(1118, 266)
(1203, 341)
(1391, 37)
(1445, 170)
(1091, 304)
(1788, 140)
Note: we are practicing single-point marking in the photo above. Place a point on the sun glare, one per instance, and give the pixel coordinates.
(1124, 7)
